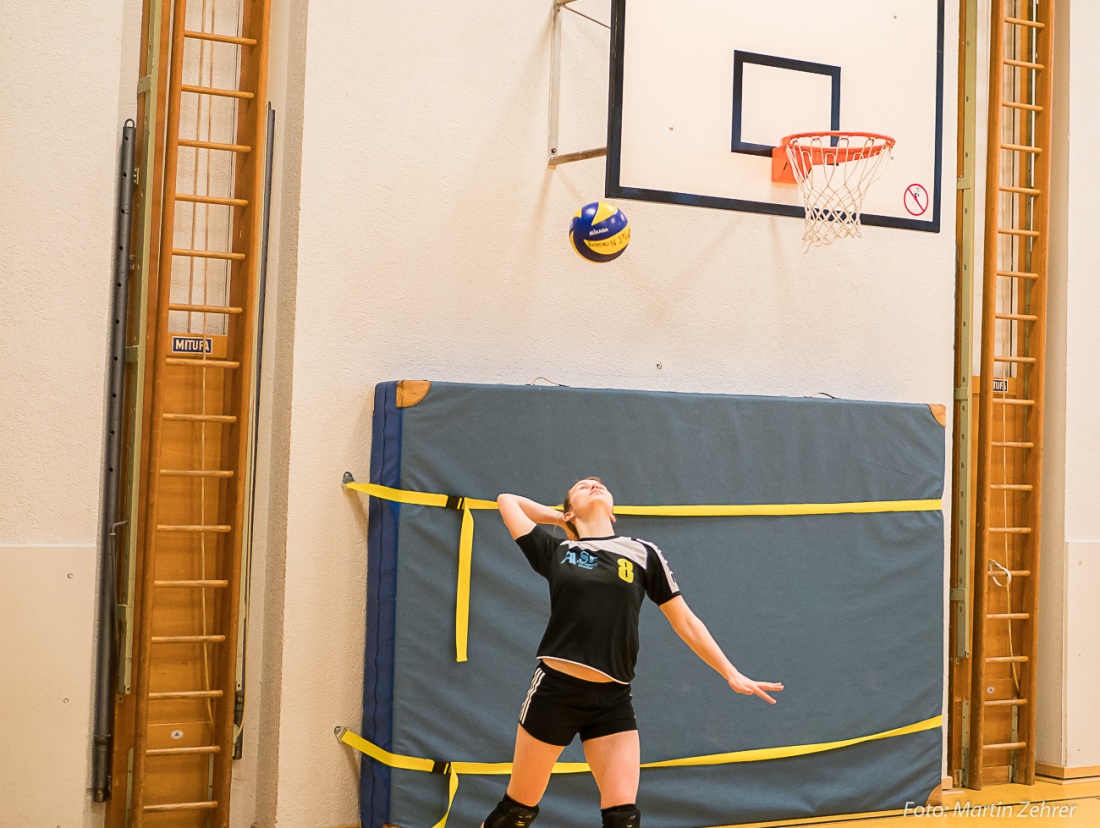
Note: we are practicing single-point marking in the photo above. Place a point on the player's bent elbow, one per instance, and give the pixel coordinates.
(506, 501)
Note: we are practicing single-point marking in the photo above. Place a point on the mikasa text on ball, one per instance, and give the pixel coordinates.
(599, 232)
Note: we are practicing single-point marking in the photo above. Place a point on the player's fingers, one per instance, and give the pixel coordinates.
(771, 685)
(764, 696)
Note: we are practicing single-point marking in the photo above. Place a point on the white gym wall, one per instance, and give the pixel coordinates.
(417, 233)
(1068, 729)
(431, 243)
(60, 130)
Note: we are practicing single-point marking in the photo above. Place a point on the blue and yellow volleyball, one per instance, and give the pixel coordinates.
(599, 232)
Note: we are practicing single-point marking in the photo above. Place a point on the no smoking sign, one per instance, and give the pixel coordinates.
(916, 199)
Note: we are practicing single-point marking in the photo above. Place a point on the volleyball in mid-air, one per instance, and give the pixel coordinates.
(599, 232)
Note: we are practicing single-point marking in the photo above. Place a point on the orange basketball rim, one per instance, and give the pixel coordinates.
(798, 153)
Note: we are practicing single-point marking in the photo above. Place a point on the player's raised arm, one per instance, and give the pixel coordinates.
(696, 635)
(520, 514)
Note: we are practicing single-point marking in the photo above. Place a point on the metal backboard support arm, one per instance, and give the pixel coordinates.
(554, 157)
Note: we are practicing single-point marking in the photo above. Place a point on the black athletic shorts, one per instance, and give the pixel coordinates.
(559, 706)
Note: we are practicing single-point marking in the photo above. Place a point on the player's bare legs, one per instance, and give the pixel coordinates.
(615, 761)
(532, 763)
(531, 766)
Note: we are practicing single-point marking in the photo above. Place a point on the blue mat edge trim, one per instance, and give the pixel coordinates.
(378, 661)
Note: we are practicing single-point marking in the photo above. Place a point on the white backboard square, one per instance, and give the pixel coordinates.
(777, 100)
(701, 90)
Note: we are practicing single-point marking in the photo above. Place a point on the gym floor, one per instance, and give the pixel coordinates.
(1046, 804)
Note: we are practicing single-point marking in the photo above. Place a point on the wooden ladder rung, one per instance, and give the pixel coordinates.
(1010, 401)
(216, 529)
(206, 199)
(1015, 573)
(1020, 21)
(213, 145)
(204, 308)
(1023, 64)
(1021, 105)
(240, 94)
(223, 473)
(208, 254)
(1006, 659)
(188, 639)
(1005, 746)
(1012, 231)
(1020, 148)
(1029, 191)
(1013, 487)
(1017, 274)
(1025, 360)
(185, 694)
(1010, 530)
(1005, 703)
(191, 584)
(183, 751)
(208, 805)
(1010, 444)
(219, 38)
(197, 362)
(1017, 317)
(1009, 616)
(200, 418)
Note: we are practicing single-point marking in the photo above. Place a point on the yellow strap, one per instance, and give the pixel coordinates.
(419, 498)
(465, 544)
(465, 558)
(393, 760)
(764, 754)
(454, 769)
(452, 789)
(779, 509)
(700, 510)
(468, 504)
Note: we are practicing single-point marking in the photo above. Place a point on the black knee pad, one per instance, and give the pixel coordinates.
(510, 814)
(621, 816)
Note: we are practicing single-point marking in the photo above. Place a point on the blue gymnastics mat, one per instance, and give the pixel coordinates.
(846, 609)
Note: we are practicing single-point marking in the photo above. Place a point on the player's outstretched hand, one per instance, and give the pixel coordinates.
(745, 685)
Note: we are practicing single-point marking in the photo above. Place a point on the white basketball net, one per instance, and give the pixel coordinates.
(833, 179)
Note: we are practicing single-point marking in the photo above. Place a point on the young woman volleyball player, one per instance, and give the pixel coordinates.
(586, 659)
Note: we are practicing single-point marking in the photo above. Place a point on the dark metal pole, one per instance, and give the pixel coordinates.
(105, 644)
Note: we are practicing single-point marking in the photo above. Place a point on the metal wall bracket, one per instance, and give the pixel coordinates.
(129, 785)
(964, 437)
(1014, 762)
(555, 158)
(964, 773)
(141, 255)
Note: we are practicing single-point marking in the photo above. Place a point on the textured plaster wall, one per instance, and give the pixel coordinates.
(1050, 731)
(431, 244)
(1078, 343)
(256, 792)
(416, 232)
(59, 137)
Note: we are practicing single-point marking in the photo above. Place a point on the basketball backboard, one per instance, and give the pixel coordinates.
(702, 90)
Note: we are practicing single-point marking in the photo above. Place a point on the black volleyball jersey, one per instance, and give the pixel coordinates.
(596, 591)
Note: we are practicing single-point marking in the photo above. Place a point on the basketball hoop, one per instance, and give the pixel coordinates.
(833, 171)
